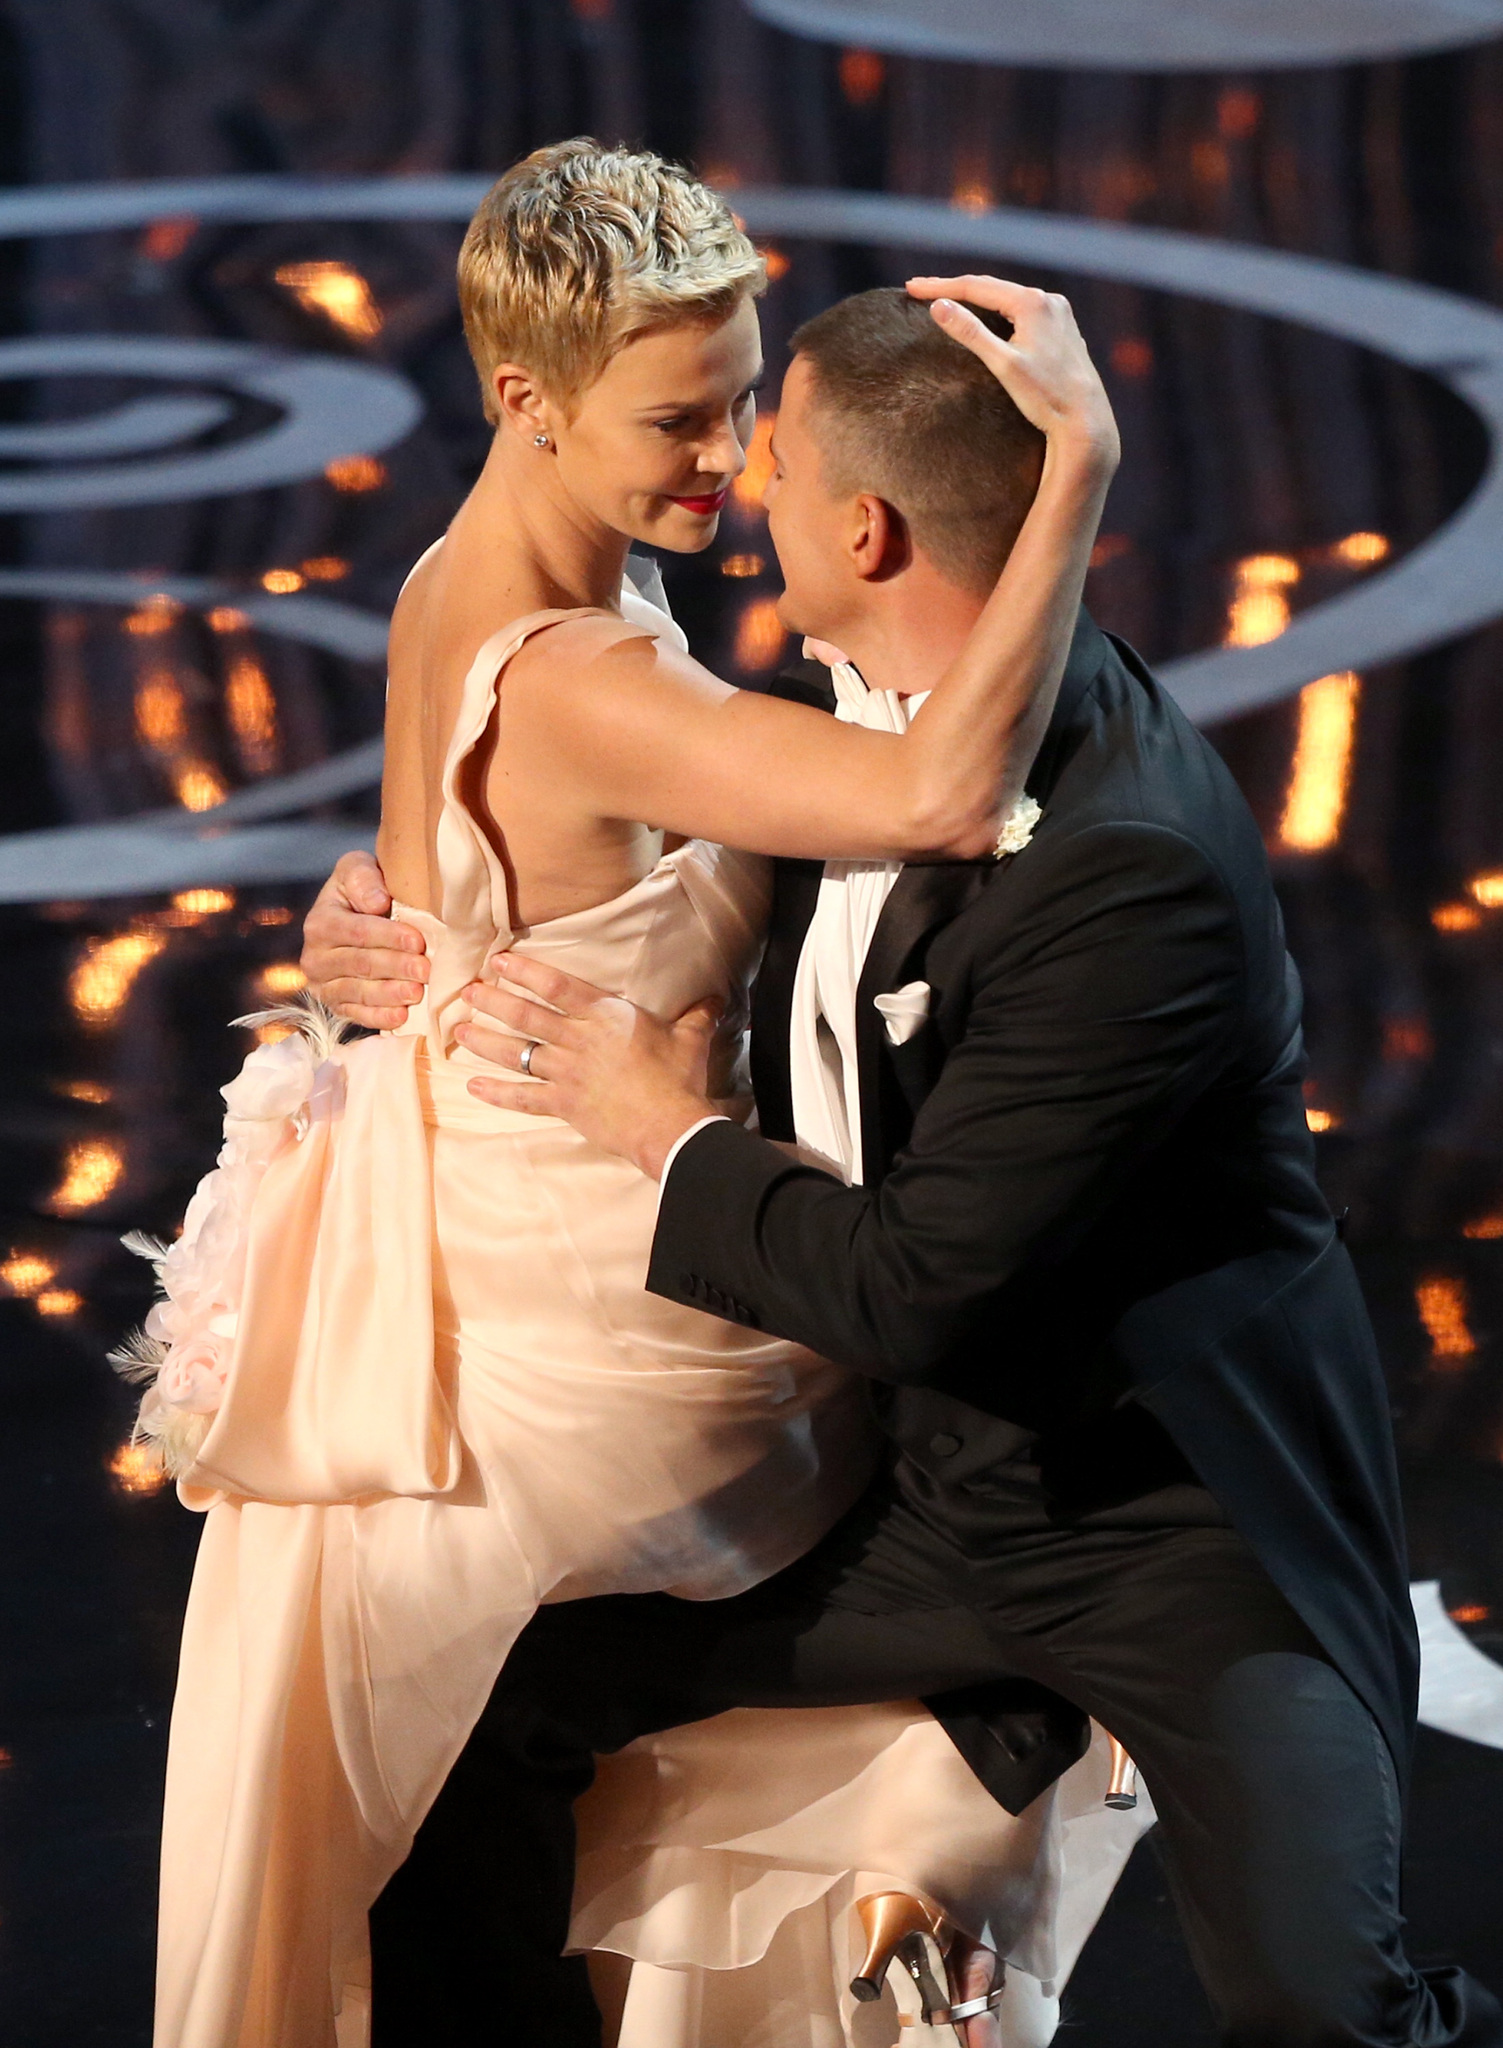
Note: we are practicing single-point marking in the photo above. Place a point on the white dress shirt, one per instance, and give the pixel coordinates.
(852, 896)
(822, 1033)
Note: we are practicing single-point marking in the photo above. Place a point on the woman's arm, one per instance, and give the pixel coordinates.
(1102, 1007)
(638, 730)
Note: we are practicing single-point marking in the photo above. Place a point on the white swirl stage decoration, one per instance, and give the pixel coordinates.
(132, 429)
(1142, 35)
(1444, 587)
(1461, 1688)
(177, 849)
(329, 406)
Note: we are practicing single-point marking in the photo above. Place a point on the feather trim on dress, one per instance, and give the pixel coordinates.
(184, 1349)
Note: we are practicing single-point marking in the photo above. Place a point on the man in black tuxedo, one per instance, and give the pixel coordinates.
(1140, 1465)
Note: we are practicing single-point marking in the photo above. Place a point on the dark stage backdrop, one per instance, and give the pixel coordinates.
(1267, 467)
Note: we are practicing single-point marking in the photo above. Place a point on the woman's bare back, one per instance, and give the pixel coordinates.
(560, 856)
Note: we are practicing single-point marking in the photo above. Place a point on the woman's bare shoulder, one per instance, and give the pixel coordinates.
(451, 607)
(596, 660)
(409, 613)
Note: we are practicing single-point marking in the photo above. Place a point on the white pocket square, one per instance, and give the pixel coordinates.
(904, 1010)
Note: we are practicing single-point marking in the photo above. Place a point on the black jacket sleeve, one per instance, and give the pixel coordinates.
(1106, 994)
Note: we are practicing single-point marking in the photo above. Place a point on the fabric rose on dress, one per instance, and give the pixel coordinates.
(273, 1085)
(185, 1347)
(193, 1373)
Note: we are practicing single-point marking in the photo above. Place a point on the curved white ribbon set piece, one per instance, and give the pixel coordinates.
(1142, 35)
(1440, 589)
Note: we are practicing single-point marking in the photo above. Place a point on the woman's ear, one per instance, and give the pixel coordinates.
(520, 404)
(880, 546)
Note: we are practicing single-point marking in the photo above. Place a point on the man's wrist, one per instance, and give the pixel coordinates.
(668, 1131)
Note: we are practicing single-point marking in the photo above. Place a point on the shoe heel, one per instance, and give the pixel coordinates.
(903, 1930)
(1122, 1792)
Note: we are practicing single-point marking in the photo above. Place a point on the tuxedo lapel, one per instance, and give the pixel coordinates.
(795, 891)
(921, 899)
(926, 896)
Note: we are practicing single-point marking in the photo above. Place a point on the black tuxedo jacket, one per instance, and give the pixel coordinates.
(1091, 1189)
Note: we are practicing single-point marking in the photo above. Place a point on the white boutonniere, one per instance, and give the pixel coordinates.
(1018, 828)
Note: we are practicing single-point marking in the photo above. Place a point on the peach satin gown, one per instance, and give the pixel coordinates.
(447, 1397)
(450, 1398)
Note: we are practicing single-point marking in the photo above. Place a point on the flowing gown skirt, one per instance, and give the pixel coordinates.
(726, 1859)
(558, 1432)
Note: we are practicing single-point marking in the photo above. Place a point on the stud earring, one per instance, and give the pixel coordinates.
(540, 440)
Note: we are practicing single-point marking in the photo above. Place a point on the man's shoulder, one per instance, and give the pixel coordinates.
(802, 682)
(1139, 808)
(1138, 760)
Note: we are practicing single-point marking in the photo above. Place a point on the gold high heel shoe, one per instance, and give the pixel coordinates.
(1122, 1792)
(915, 1936)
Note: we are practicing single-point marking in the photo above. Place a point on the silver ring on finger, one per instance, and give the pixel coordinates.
(525, 1062)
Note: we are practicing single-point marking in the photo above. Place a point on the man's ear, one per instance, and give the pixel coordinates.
(520, 403)
(880, 543)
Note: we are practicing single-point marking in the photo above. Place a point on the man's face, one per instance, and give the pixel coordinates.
(810, 528)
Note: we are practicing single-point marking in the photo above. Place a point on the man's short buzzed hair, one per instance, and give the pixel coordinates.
(913, 417)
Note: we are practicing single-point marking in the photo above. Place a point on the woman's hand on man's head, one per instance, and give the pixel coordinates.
(1043, 365)
(358, 963)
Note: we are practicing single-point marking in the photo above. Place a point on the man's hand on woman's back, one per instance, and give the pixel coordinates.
(357, 961)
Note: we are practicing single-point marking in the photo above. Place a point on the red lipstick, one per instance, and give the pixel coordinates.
(704, 507)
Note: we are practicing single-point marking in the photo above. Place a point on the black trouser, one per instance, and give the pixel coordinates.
(1277, 1799)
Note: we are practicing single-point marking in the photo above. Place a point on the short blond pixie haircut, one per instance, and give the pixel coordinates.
(578, 249)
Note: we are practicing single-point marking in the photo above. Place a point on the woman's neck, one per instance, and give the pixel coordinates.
(541, 540)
